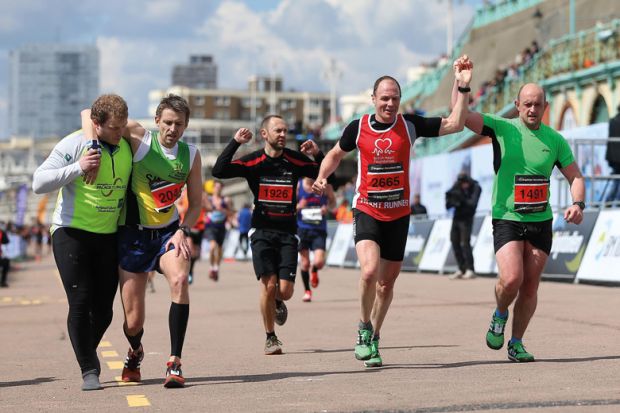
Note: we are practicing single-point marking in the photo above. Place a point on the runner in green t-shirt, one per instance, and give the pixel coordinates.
(524, 154)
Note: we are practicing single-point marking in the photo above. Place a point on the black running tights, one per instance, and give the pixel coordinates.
(88, 267)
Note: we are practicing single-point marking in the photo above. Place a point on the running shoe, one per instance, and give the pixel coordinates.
(131, 369)
(456, 275)
(174, 376)
(273, 346)
(362, 347)
(375, 358)
(314, 279)
(495, 335)
(281, 313)
(518, 353)
(469, 275)
(307, 296)
(214, 275)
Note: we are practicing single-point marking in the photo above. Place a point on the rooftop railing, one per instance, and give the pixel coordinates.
(582, 57)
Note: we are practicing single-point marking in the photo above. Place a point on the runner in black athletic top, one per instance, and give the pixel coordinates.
(272, 174)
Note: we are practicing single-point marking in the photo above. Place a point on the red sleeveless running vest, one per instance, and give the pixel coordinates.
(382, 187)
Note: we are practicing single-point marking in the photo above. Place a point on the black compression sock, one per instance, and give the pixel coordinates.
(305, 277)
(314, 268)
(177, 322)
(134, 341)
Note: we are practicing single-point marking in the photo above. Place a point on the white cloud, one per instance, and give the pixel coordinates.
(140, 43)
(163, 10)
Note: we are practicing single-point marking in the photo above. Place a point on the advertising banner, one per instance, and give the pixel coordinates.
(484, 253)
(21, 203)
(437, 247)
(569, 245)
(601, 261)
(350, 258)
(340, 244)
(419, 230)
(332, 226)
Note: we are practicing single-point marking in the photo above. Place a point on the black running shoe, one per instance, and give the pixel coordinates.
(281, 313)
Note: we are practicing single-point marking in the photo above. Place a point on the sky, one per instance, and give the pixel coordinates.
(141, 40)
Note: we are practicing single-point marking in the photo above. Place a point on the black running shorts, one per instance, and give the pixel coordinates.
(274, 252)
(311, 239)
(539, 234)
(390, 235)
(216, 233)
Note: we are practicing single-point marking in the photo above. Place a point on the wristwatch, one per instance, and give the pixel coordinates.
(184, 229)
(465, 89)
(580, 204)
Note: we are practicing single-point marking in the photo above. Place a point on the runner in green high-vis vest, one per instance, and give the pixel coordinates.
(153, 238)
(84, 224)
(525, 151)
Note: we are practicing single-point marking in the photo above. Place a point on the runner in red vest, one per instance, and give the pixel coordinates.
(381, 202)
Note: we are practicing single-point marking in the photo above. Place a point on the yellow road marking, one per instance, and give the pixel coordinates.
(120, 382)
(25, 302)
(105, 344)
(7, 299)
(115, 365)
(137, 400)
(109, 353)
(36, 301)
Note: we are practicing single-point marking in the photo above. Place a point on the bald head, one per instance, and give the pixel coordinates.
(531, 89)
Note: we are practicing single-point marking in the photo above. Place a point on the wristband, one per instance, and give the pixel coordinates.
(184, 230)
(465, 89)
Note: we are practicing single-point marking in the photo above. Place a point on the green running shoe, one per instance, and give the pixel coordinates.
(375, 358)
(518, 353)
(362, 347)
(495, 335)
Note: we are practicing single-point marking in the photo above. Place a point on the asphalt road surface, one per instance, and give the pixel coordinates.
(433, 348)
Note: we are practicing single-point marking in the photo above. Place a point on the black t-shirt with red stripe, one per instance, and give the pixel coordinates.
(273, 181)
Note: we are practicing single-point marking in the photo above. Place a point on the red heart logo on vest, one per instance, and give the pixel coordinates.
(383, 144)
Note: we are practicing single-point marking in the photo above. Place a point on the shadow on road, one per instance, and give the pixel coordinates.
(30, 382)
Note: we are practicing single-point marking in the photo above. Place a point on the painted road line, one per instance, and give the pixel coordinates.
(105, 343)
(115, 365)
(120, 382)
(25, 302)
(137, 400)
(109, 353)
(7, 299)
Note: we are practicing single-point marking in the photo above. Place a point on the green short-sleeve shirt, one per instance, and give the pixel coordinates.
(523, 160)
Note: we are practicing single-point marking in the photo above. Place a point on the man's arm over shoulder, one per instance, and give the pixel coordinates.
(133, 133)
